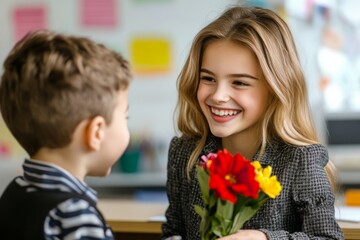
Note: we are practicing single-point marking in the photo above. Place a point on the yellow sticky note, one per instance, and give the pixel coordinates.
(150, 55)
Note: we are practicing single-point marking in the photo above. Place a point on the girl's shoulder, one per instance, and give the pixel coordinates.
(183, 146)
(316, 148)
(183, 142)
(190, 142)
(282, 153)
(312, 148)
(307, 154)
(314, 153)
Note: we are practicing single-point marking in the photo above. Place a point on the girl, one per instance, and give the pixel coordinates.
(242, 88)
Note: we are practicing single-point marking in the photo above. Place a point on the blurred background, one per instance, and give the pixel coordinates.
(155, 36)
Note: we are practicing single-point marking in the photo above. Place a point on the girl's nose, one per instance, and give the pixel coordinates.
(221, 94)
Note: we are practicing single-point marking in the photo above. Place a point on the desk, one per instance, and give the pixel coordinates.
(131, 216)
(351, 230)
(130, 219)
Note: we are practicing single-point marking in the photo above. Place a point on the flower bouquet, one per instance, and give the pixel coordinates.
(233, 189)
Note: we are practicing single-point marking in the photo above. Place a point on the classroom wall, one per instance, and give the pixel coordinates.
(168, 26)
(152, 95)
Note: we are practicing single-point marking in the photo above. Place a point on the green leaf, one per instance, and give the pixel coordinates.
(217, 232)
(205, 222)
(216, 226)
(225, 209)
(226, 226)
(199, 210)
(241, 217)
(203, 178)
(213, 201)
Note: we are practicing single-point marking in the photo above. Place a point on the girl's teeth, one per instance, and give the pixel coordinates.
(223, 112)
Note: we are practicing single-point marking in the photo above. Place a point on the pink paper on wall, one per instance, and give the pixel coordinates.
(26, 19)
(98, 13)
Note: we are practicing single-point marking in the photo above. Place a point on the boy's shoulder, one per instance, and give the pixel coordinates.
(19, 192)
(24, 208)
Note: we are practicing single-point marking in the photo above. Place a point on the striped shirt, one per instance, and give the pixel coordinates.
(73, 219)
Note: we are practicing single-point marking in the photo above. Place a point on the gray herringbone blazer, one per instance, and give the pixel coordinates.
(304, 209)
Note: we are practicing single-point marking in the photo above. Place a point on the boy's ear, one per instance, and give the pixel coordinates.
(95, 133)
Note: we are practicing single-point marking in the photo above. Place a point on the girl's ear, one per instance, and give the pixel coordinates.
(95, 133)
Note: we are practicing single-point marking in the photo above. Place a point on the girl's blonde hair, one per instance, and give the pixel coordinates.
(269, 37)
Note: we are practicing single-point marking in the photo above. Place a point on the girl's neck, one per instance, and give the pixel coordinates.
(246, 145)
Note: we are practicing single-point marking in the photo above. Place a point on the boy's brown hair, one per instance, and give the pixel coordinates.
(52, 82)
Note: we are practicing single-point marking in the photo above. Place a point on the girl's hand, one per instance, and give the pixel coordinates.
(246, 235)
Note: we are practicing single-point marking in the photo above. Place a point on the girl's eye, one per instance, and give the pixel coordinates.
(207, 78)
(240, 83)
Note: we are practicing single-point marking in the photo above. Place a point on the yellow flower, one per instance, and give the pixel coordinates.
(268, 184)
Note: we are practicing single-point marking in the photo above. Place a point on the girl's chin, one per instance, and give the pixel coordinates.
(219, 133)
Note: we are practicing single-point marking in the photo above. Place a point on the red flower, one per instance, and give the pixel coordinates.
(232, 175)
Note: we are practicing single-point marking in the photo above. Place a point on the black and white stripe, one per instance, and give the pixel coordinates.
(74, 218)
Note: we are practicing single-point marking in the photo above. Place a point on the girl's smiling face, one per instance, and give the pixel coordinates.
(232, 91)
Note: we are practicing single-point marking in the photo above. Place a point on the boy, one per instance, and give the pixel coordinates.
(65, 100)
